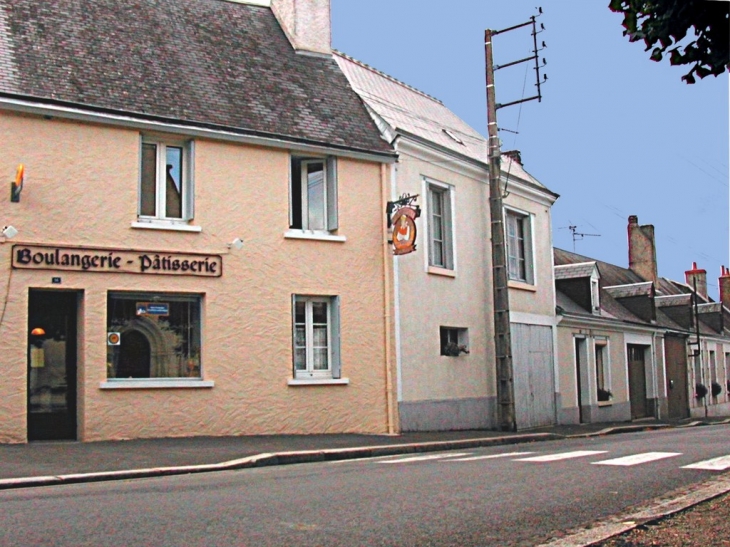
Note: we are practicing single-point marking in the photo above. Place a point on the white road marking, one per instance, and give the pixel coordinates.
(715, 464)
(474, 458)
(637, 459)
(424, 458)
(563, 456)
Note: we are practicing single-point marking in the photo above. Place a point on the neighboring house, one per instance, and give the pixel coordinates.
(444, 300)
(201, 244)
(626, 335)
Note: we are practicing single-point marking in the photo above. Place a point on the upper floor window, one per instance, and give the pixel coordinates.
(313, 194)
(166, 188)
(519, 247)
(440, 228)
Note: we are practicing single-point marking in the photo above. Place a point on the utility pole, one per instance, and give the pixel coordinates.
(502, 335)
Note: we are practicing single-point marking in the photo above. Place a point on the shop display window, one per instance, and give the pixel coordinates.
(153, 335)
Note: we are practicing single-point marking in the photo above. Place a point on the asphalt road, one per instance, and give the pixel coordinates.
(481, 497)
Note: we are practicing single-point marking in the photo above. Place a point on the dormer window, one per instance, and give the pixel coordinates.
(595, 297)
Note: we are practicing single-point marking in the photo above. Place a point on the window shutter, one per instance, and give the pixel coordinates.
(429, 223)
(335, 337)
(332, 216)
(293, 335)
(291, 195)
(448, 230)
(527, 222)
(188, 212)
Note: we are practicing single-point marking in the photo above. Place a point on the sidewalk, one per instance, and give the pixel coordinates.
(46, 463)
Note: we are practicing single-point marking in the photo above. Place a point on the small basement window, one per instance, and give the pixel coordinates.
(454, 341)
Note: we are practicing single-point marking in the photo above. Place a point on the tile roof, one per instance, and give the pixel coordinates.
(409, 110)
(574, 271)
(201, 62)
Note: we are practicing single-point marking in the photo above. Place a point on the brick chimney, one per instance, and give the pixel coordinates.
(306, 23)
(516, 155)
(700, 276)
(642, 250)
(724, 283)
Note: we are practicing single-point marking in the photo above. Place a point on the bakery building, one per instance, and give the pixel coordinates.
(194, 239)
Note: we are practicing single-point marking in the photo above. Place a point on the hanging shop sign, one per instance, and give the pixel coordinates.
(402, 215)
(87, 259)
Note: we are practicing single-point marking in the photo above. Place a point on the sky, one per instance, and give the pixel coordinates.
(615, 133)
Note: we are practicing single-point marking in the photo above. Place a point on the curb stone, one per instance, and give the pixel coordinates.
(324, 455)
(277, 458)
(660, 509)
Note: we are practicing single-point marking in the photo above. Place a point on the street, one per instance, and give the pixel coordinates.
(508, 495)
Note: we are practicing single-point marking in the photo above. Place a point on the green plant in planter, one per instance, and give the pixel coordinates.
(716, 389)
(604, 395)
(454, 350)
(700, 391)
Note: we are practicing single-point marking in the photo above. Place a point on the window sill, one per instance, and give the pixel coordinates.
(521, 285)
(313, 235)
(435, 270)
(604, 403)
(171, 226)
(143, 383)
(318, 381)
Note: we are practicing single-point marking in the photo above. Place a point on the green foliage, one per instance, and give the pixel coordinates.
(663, 24)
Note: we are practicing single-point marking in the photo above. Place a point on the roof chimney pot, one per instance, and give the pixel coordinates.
(697, 278)
(306, 23)
(642, 250)
(724, 283)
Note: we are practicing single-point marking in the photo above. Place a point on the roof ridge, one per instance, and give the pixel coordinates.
(387, 76)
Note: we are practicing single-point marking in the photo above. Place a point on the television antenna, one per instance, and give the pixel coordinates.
(576, 235)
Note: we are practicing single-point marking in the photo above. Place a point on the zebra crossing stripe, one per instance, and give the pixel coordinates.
(491, 457)
(562, 456)
(424, 458)
(637, 459)
(715, 464)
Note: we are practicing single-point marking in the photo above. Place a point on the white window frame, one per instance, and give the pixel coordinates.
(448, 245)
(330, 205)
(525, 221)
(333, 371)
(188, 191)
(606, 369)
(595, 295)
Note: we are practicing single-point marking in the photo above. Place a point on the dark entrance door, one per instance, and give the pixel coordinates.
(675, 350)
(637, 380)
(52, 365)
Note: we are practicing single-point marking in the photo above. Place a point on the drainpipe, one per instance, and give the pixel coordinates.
(386, 297)
(396, 291)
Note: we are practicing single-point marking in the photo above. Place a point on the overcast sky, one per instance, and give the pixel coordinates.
(616, 134)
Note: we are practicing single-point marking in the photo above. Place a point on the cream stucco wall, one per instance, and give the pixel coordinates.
(617, 381)
(537, 298)
(428, 300)
(711, 406)
(81, 190)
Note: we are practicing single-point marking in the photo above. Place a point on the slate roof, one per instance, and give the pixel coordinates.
(621, 282)
(673, 300)
(574, 271)
(408, 110)
(209, 63)
(628, 291)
